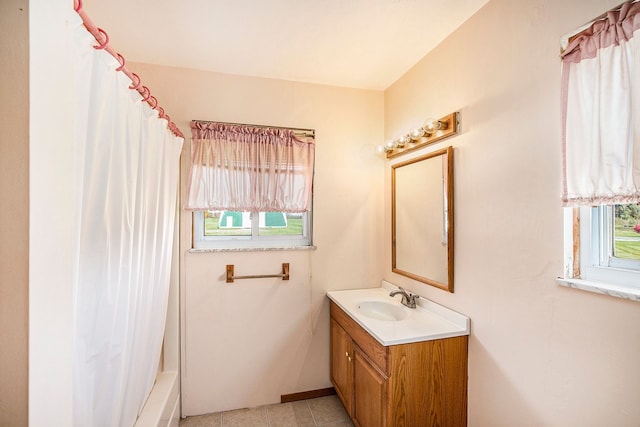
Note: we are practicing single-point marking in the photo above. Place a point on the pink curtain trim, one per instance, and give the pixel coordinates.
(618, 26)
(601, 200)
(564, 96)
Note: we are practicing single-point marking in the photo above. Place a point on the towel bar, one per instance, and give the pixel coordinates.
(231, 277)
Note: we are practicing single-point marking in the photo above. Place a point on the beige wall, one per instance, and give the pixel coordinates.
(14, 208)
(250, 342)
(540, 354)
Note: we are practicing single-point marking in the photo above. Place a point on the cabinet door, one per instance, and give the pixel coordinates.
(370, 393)
(341, 364)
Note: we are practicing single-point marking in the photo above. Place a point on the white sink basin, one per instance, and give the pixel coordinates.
(391, 323)
(381, 310)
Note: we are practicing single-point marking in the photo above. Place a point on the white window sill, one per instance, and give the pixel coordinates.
(618, 291)
(252, 249)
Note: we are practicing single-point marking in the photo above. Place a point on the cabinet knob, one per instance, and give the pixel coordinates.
(346, 353)
(349, 359)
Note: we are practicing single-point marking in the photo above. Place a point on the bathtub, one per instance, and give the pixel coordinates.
(163, 405)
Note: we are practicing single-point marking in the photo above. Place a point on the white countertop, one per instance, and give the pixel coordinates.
(429, 321)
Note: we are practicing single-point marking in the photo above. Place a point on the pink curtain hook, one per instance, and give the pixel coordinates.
(137, 83)
(146, 93)
(155, 102)
(121, 61)
(106, 39)
(78, 7)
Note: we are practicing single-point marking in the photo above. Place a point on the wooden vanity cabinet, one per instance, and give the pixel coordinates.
(358, 381)
(420, 384)
(341, 364)
(370, 393)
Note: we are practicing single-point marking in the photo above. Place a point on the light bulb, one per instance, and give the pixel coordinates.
(430, 126)
(416, 134)
(403, 140)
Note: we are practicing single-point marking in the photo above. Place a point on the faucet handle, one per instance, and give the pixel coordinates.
(413, 299)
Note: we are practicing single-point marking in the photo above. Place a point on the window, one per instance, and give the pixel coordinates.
(235, 229)
(602, 247)
(601, 154)
(250, 186)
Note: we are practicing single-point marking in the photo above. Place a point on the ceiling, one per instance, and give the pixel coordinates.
(364, 44)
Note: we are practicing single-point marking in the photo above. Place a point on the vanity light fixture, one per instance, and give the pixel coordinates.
(431, 131)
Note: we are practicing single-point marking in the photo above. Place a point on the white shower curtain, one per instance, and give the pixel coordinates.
(126, 177)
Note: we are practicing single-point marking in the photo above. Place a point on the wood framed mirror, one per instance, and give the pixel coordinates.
(422, 218)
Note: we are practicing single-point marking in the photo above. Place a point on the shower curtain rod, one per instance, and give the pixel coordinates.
(103, 43)
(298, 131)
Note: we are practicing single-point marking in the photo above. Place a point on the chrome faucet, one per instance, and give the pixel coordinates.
(408, 299)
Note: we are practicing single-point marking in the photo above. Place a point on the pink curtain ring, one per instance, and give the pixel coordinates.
(161, 112)
(106, 39)
(166, 116)
(121, 61)
(78, 6)
(136, 81)
(146, 93)
(155, 102)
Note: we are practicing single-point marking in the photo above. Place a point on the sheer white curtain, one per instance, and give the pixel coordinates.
(601, 111)
(126, 175)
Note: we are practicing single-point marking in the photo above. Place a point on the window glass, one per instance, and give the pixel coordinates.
(615, 241)
(227, 223)
(280, 224)
(626, 236)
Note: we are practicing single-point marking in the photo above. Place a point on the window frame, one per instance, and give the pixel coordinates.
(588, 264)
(253, 241)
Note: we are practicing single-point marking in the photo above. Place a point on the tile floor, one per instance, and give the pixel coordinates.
(322, 411)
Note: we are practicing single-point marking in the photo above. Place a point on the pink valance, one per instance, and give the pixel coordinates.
(249, 168)
(601, 111)
(618, 26)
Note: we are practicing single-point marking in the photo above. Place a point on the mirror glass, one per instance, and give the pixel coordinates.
(422, 218)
